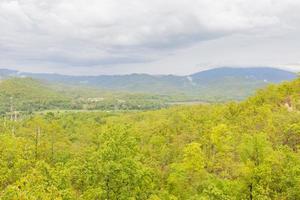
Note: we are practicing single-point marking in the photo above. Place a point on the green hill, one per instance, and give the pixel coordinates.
(27, 94)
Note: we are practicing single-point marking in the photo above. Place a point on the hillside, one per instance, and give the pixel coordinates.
(233, 83)
(234, 151)
(221, 84)
(27, 94)
(265, 74)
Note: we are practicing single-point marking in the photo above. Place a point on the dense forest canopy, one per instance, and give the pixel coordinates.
(238, 151)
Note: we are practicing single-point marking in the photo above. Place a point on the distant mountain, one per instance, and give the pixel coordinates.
(4, 73)
(216, 84)
(132, 82)
(265, 74)
(237, 83)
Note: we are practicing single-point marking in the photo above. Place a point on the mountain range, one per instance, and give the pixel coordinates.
(224, 83)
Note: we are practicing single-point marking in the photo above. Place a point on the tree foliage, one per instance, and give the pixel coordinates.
(233, 151)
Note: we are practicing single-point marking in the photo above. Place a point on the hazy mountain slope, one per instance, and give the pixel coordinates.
(237, 83)
(132, 82)
(4, 73)
(265, 74)
(211, 85)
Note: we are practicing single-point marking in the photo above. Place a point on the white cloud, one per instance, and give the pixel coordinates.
(108, 32)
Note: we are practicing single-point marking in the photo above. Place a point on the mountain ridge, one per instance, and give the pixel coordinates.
(8, 71)
(226, 83)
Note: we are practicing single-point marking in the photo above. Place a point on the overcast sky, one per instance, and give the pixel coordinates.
(147, 36)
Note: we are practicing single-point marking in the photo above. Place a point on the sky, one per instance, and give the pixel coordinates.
(148, 36)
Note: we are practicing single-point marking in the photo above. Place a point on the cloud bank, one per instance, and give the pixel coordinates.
(86, 33)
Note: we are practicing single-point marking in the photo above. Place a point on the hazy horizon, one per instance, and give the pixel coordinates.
(157, 74)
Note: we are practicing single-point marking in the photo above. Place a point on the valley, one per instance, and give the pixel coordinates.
(29, 92)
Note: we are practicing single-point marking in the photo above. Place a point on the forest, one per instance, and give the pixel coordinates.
(28, 95)
(245, 150)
